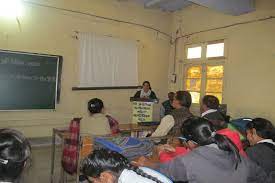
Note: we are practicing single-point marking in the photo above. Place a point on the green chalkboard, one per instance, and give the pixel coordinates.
(29, 81)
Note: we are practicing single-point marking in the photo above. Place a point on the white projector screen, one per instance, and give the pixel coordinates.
(107, 61)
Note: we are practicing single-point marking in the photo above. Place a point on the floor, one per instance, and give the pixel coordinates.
(39, 170)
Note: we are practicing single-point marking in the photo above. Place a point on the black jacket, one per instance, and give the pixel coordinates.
(217, 119)
(152, 95)
(264, 156)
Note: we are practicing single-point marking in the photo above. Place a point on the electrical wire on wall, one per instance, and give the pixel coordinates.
(158, 31)
(19, 24)
(100, 17)
(175, 42)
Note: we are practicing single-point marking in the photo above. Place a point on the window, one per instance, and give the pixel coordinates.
(204, 76)
(215, 50)
(214, 81)
(194, 52)
(193, 82)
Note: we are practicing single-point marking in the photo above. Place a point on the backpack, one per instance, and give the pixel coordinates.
(70, 150)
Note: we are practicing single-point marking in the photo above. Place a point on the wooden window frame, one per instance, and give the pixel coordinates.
(204, 62)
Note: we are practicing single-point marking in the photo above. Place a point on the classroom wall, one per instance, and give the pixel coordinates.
(249, 83)
(49, 31)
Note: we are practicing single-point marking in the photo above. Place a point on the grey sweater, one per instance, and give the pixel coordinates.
(208, 164)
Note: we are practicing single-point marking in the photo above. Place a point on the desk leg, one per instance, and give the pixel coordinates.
(62, 171)
(53, 156)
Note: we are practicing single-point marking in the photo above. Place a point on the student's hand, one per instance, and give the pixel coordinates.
(145, 162)
(141, 161)
(165, 148)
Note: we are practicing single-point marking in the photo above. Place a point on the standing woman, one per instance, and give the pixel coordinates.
(146, 92)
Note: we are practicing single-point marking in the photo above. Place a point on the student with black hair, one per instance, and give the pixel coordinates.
(167, 106)
(146, 92)
(172, 123)
(209, 110)
(213, 159)
(104, 166)
(15, 151)
(99, 123)
(261, 136)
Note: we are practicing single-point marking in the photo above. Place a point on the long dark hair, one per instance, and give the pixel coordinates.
(263, 127)
(104, 160)
(201, 131)
(15, 150)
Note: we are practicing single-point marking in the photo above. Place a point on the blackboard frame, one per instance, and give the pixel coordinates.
(58, 78)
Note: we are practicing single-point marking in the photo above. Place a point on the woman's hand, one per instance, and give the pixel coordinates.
(165, 148)
(141, 161)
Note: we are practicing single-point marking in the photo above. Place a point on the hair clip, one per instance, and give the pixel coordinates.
(4, 161)
(92, 105)
(213, 134)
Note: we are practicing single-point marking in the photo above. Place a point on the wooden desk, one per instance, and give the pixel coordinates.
(131, 127)
(63, 133)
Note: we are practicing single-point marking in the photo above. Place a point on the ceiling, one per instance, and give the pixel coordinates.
(165, 5)
(232, 7)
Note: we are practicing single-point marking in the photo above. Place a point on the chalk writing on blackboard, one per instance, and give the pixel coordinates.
(15, 61)
(25, 77)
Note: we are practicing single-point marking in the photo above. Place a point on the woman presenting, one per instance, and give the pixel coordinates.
(146, 92)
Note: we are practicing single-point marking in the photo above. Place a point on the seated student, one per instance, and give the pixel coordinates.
(99, 123)
(261, 136)
(146, 92)
(215, 158)
(209, 109)
(167, 106)
(15, 151)
(103, 166)
(172, 123)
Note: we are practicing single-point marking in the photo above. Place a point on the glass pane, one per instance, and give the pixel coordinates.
(214, 85)
(195, 97)
(193, 84)
(218, 95)
(215, 71)
(194, 72)
(194, 52)
(215, 50)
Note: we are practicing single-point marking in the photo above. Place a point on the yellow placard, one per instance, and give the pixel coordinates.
(142, 111)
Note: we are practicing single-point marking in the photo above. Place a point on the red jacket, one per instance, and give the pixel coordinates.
(181, 151)
(168, 156)
(235, 138)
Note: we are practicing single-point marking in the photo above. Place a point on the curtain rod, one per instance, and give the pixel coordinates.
(101, 17)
